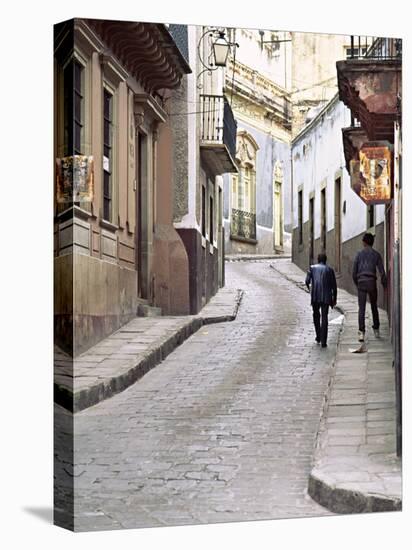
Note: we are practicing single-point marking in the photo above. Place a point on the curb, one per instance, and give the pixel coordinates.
(339, 499)
(347, 501)
(257, 258)
(86, 398)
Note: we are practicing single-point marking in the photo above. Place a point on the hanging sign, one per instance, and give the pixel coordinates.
(74, 179)
(375, 159)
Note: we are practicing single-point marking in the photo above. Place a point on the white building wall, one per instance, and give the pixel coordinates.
(317, 158)
(273, 60)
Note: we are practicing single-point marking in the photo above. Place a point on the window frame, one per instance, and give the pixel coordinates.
(69, 115)
(300, 217)
(109, 166)
(370, 216)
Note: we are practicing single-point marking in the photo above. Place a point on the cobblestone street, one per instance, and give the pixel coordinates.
(222, 430)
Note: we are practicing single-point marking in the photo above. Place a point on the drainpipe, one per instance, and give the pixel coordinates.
(291, 198)
(396, 315)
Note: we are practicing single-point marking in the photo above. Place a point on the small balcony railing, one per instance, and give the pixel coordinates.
(218, 123)
(243, 224)
(364, 47)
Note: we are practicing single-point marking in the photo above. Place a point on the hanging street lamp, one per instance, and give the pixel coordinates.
(221, 49)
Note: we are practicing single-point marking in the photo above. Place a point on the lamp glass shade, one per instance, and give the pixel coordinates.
(220, 51)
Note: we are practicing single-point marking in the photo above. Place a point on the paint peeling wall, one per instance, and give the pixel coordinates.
(318, 160)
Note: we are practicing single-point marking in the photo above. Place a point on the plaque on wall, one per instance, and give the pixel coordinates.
(74, 179)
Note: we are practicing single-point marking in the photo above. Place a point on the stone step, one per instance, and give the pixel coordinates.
(144, 310)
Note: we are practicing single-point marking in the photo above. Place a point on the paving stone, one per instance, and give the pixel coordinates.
(238, 421)
(242, 419)
(118, 361)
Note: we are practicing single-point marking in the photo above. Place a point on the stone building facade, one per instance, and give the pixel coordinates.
(116, 249)
(204, 140)
(313, 68)
(370, 85)
(257, 205)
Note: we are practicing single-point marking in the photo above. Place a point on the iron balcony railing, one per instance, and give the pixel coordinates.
(243, 224)
(374, 48)
(218, 122)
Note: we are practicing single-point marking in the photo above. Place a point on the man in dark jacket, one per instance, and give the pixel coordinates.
(322, 283)
(367, 262)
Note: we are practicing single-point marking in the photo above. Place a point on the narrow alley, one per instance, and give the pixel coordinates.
(222, 430)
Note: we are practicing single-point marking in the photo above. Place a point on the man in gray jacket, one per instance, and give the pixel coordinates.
(322, 283)
(367, 262)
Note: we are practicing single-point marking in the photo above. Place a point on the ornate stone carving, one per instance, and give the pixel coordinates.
(278, 171)
(246, 148)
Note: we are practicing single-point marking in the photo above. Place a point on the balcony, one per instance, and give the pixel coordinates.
(354, 136)
(218, 135)
(370, 84)
(243, 226)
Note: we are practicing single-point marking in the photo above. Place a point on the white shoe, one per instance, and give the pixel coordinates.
(361, 336)
(376, 333)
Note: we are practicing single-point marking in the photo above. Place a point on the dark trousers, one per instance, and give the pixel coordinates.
(320, 320)
(365, 289)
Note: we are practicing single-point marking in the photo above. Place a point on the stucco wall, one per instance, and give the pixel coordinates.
(270, 151)
(180, 175)
(318, 160)
(104, 298)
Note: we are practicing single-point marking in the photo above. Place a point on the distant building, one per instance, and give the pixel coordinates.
(204, 141)
(257, 198)
(313, 73)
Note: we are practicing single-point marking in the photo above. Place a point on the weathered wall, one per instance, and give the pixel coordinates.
(300, 252)
(270, 151)
(180, 170)
(105, 298)
(192, 240)
(264, 244)
(273, 60)
(63, 302)
(318, 160)
(170, 268)
(314, 80)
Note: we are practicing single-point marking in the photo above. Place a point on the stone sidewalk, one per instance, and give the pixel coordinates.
(118, 361)
(254, 257)
(355, 467)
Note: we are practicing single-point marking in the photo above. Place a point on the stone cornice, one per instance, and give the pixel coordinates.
(146, 50)
(258, 80)
(254, 115)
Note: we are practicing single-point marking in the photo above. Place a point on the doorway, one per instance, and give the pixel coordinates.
(311, 230)
(277, 214)
(141, 216)
(323, 219)
(338, 226)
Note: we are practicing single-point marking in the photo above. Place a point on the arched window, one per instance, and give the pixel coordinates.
(244, 183)
(243, 199)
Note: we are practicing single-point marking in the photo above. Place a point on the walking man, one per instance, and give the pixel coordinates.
(321, 281)
(367, 262)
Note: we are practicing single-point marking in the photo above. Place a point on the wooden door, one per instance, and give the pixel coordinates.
(311, 230)
(338, 226)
